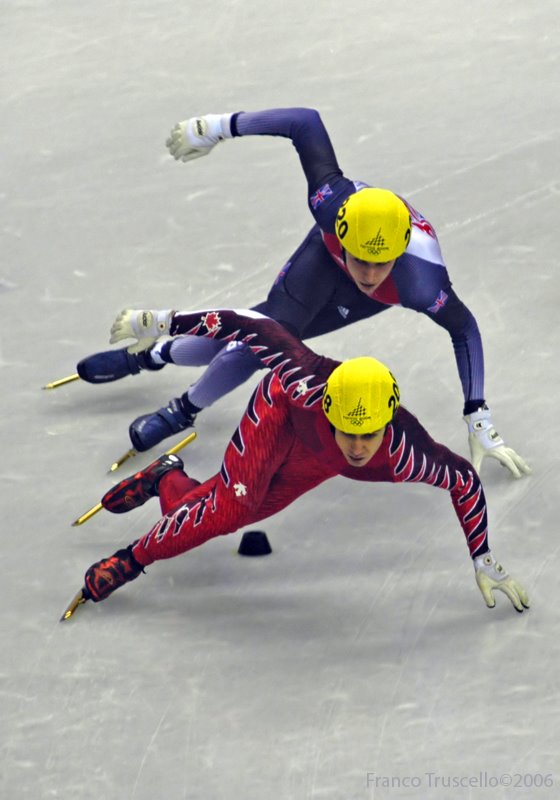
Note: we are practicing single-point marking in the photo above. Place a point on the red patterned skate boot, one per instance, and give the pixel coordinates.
(135, 491)
(103, 577)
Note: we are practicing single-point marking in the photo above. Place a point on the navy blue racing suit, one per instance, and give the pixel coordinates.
(314, 293)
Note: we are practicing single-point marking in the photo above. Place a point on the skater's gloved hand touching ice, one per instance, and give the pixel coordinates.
(143, 325)
(491, 577)
(485, 441)
(195, 137)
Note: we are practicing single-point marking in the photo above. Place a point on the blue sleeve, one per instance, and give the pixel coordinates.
(461, 325)
(425, 287)
(327, 186)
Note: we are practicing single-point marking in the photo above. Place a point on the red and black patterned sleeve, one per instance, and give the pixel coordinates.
(415, 457)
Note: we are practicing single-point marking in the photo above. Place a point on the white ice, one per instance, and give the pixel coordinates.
(360, 652)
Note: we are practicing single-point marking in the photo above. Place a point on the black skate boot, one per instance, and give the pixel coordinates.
(103, 577)
(111, 365)
(135, 491)
(150, 429)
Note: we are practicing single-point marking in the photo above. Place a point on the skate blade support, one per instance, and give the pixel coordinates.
(62, 381)
(78, 600)
(133, 452)
(92, 511)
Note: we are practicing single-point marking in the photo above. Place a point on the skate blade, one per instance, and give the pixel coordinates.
(78, 600)
(88, 515)
(171, 452)
(62, 381)
(183, 443)
(120, 461)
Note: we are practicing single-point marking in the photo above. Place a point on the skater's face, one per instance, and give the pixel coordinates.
(368, 275)
(357, 448)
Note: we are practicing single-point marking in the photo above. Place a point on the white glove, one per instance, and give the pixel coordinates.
(484, 440)
(490, 576)
(145, 326)
(195, 137)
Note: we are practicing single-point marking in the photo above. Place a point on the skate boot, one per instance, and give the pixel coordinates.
(111, 365)
(135, 491)
(148, 430)
(103, 577)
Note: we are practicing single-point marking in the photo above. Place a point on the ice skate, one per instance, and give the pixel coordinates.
(134, 491)
(150, 429)
(112, 365)
(103, 577)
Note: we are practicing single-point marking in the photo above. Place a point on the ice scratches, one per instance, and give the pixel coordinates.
(539, 195)
(49, 298)
(250, 279)
(534, 141)
(7, 286)
(192, 196)
(318, 747)
(147, 750)
(14, 477)
(521, 688)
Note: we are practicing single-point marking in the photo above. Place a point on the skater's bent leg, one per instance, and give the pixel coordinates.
(173, 488)
(231, 367)
(232, 498)
(204, 513)
(186, 351)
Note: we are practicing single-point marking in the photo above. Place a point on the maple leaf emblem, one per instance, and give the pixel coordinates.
(212, 321)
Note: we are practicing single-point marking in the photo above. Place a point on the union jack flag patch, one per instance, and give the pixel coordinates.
(320, 195)
(441, 300)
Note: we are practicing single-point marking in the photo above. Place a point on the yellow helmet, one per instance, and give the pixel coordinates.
(373, 225)
(361, 396)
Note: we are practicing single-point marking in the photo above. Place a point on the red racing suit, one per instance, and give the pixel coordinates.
(284, 446)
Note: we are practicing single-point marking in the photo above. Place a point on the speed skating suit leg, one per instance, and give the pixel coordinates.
(265, 468)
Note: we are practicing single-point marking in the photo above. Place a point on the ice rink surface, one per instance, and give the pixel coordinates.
(358, 661)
